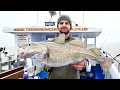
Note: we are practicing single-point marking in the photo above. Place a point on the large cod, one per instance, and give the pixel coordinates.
(58, 53)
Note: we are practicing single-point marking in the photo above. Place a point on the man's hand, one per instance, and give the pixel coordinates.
(21, 54)
(78, 66)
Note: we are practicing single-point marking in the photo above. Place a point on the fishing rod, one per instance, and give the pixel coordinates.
(114, 58)
(103, 44)
(106, 53)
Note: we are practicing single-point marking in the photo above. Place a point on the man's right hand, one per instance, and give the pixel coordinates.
(79, 66)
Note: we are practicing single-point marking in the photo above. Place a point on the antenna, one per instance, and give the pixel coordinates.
(103, 44)
(59, 13)
(83, 17)
(52, 13)
(37, 18)
(29, 41)
(50, 19)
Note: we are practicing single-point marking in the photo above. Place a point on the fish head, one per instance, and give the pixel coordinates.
(34, 51)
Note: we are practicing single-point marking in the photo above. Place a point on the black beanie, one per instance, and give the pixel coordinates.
(65, 17)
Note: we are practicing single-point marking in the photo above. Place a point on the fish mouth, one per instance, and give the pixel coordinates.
(28, 55)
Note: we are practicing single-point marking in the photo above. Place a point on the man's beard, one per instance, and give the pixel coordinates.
(64, 32)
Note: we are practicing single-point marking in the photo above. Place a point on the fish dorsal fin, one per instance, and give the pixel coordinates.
(77, 42)
(60, 39)
(96, 51)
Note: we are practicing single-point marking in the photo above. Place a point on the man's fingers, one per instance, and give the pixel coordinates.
(79, 65)
(78, 68)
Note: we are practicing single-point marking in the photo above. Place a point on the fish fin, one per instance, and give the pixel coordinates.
(96, 51)
(46, 57)
(60, 39)
(44, 62)
(77, 42)
(106, 63)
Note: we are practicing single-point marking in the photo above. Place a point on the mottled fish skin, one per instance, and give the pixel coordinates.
(60, 54)
(78, 43)
(97, 51)
(64, 54)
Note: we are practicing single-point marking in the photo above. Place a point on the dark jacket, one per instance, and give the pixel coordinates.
(64, 72)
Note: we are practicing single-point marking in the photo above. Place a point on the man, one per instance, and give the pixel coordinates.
(71, 71)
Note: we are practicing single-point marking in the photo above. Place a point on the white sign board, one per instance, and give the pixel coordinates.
(23, 38)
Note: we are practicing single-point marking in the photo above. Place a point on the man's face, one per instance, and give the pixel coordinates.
(64, 26)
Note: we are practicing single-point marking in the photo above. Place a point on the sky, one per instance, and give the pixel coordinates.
(109, 21)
